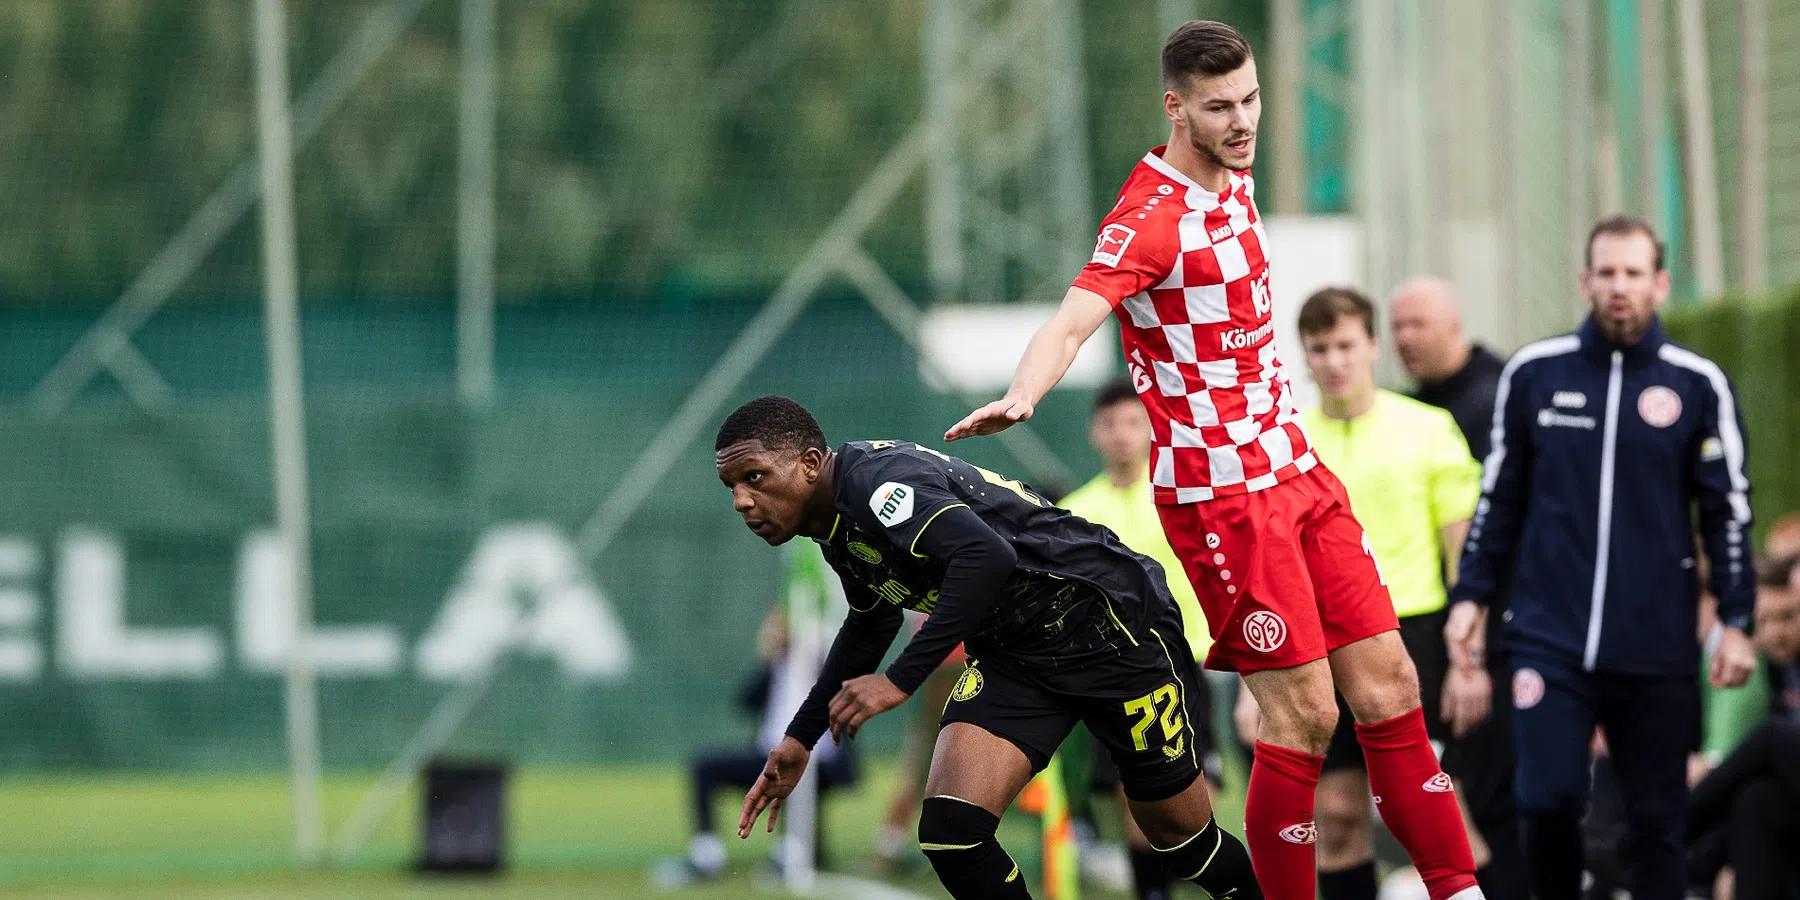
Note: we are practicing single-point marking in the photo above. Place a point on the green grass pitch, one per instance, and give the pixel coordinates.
(573, 834)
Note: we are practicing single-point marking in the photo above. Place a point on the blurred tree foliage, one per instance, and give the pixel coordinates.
(649, 151)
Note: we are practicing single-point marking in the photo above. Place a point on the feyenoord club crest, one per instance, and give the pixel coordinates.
(1265, 631)
(1659, 406)
(968, 685)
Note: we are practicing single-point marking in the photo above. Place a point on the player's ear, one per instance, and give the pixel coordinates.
(1172, 106)
(812, 462)
(1662, 286)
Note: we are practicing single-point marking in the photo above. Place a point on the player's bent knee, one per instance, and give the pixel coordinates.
(946, 822)
(1307, 725)
(1379, 680)
(958, 837)
(1214, 860)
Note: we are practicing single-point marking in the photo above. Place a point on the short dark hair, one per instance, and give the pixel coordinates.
(1113, 393)
(778, 423)
(1777, 572)
(1326, 306)
(1202, 49)
(1624, 225)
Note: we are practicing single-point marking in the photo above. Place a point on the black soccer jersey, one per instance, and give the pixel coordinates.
(1032, 583)
(1075, 590)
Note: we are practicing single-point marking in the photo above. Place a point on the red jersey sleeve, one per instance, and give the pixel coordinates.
(1138, 247)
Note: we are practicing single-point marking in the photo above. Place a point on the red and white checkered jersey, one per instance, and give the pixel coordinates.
(1187, 272)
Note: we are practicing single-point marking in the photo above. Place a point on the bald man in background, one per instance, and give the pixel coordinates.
(1451, 372)
(1461, 377)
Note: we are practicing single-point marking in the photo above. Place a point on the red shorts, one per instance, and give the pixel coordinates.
(1284, 574)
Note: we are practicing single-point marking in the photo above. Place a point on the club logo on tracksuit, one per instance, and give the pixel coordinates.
(1528, 688)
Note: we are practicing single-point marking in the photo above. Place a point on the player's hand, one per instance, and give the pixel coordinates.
(858, 701)
(1247, 715)
(1733, 661)
(1468, 698)
(1460, 633)
(780, 775)
(991, 419)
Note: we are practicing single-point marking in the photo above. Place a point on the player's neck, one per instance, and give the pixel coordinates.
(821, 511)
(1348, 406)
(1202, 171)
(1125, 474)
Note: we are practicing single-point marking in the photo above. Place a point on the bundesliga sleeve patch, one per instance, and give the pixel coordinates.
(1110, 249)
(892, 503)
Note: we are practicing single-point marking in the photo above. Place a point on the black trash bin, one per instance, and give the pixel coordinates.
(465, 816)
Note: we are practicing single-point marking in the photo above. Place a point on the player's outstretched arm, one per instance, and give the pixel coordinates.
(860, 644)
(780, 775)
(1047, 358)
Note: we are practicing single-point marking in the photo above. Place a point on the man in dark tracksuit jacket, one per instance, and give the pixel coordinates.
(1605, 441)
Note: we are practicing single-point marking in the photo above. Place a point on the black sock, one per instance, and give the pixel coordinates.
(1215, 860)
(1553, 851)
(958, 838)
(1149, 876)
(1354, 883)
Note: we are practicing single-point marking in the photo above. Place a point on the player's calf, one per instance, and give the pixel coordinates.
(1216, 861)
(958, 837)
(1187, 839)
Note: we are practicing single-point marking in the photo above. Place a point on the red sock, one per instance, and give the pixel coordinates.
(1278, 822)
(1417, 802)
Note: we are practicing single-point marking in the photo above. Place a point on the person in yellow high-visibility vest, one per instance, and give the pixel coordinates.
(1120, 499)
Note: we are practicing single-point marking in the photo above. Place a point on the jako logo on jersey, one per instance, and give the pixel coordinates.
(1239, 339)
(892, 503)
(1220, 233)
(1659, 406)
(1528, 688)
(1439, 784)
(1111, 246)
(1303, 833)
(1569, 400)
(1266, 632)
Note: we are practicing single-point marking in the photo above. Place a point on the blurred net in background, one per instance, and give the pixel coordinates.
(770, 192)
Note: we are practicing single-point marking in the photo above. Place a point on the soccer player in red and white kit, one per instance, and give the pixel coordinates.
(1283, 571)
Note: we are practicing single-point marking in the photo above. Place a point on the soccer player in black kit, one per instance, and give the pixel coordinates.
(1062, 623)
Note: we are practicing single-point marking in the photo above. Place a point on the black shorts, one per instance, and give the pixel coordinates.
(1423, 636)
(1144, 705)
(1200, 705)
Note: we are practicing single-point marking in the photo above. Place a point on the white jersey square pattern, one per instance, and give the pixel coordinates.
(1187, 272)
